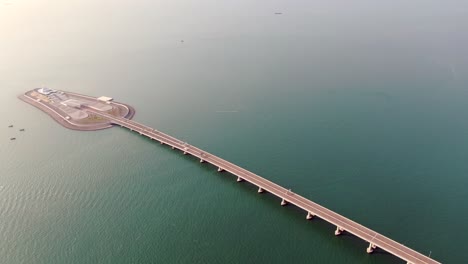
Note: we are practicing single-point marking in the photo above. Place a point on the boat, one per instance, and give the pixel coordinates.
(22, 129)
(12, 138)
(10, 126)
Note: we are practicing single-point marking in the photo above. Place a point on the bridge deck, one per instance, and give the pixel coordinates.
(336, 219)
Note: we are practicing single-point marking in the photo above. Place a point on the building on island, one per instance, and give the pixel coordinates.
(46, 91)
(72, 103)
(105, 99)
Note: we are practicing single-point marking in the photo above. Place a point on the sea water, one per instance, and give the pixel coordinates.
(360, 107)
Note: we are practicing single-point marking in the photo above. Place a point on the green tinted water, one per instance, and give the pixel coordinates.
(361, 108)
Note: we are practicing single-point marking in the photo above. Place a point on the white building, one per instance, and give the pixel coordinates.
(72, 103)
(105, 99)
(46, 91)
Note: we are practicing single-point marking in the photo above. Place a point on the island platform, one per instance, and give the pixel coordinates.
(77, 111)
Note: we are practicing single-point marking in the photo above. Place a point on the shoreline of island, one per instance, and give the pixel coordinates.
(64, 119)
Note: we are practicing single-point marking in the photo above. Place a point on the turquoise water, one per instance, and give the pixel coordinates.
(360, 107)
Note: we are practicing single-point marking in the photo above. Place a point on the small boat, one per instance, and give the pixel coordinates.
(278, 13)
(10, 126)
(12, 138)
(22, 129)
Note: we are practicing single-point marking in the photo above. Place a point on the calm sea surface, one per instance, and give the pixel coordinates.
(361, 107)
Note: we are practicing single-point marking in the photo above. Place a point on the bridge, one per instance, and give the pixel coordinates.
(312, 209)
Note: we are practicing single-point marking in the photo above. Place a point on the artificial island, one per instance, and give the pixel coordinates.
(77, 111)
(81, 112)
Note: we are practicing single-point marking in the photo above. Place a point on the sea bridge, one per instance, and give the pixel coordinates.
(312, 209)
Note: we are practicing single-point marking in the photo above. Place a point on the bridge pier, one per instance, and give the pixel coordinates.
(371, 248)
(310, 207)
(185, 152)
(338, 231)
(283, 202)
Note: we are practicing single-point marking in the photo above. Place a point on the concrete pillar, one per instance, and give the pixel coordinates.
(309, 215)
(260, 190)
(239, 179)
(185, 152)
(371, 248)
(220, 170)
(173, 147)
(338, 231)
(283, 202)
(161, 142)
(201, 161)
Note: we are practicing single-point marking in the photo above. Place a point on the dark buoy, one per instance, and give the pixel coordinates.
(12, 138)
